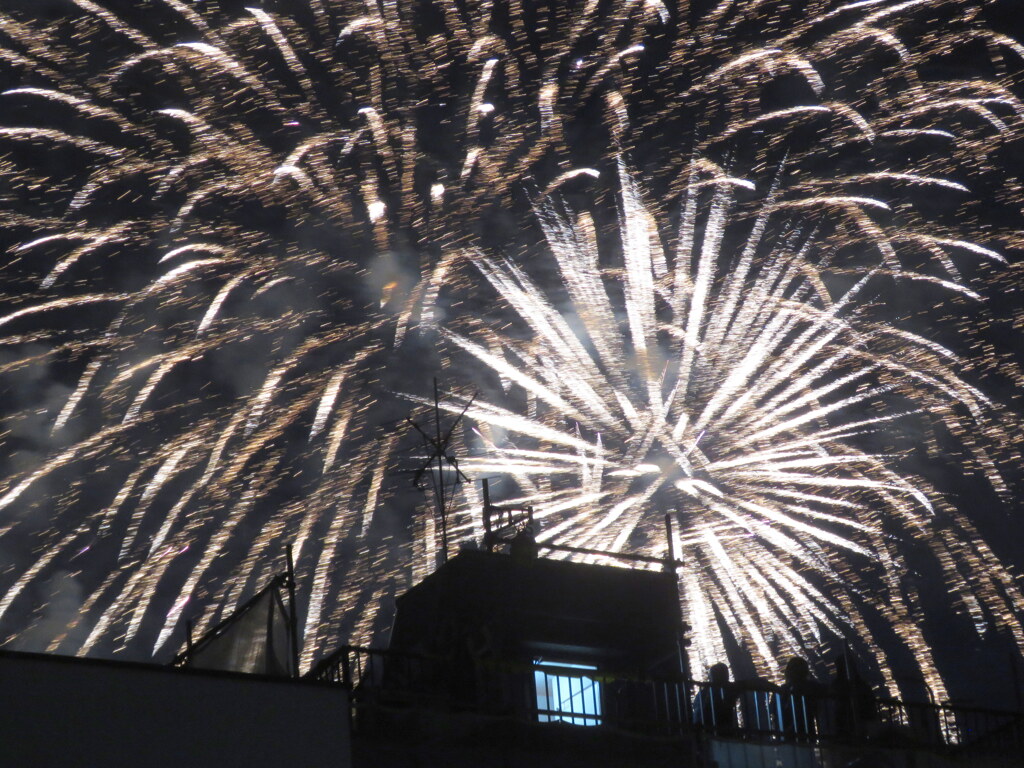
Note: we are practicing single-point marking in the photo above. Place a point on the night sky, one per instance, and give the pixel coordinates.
(240, 239)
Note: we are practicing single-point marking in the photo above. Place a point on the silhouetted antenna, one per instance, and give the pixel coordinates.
(439, 458)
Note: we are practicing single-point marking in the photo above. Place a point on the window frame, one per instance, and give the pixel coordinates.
(567, 692)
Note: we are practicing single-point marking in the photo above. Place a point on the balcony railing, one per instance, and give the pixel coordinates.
(670, 708)
(491, 687)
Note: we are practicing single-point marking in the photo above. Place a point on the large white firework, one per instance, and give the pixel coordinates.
(750, 395)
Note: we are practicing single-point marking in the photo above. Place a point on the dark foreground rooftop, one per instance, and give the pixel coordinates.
(63, 712)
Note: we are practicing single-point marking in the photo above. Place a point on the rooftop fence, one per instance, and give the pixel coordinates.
(752, 713)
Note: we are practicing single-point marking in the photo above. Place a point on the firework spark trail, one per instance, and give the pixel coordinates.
(217, 220)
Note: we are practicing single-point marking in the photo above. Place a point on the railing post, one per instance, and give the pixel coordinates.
(346, 669)
(670, 553)
(293, 618)
(488, 540)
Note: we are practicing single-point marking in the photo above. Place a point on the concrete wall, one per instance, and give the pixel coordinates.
(63, 712)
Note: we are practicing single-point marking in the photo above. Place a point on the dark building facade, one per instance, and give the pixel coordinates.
(624, 622)
(61, 712)
(515, 660)
(495, 661)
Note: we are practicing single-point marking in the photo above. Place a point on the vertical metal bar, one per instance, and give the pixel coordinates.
(268, 649)
(541, 701)
(293, 617)
(680, 712)
(439, 488)
(346, 669)
(670, 555)
(593, 701)
(488, 542)
(560, 704)
(551, 686)
(554, 696)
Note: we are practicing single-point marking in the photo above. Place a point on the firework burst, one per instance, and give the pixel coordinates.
(217, 219)
(770, 414)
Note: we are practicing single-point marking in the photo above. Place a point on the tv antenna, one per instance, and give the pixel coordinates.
(439, 459)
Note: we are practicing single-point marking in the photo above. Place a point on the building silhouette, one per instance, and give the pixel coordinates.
(498, 658)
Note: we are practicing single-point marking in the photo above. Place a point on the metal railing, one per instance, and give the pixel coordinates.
(671, 708)
(493, 687)
(770, 715)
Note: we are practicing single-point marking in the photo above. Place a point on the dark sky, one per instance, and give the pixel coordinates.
(321, 278)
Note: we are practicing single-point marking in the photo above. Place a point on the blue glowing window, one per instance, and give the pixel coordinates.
(566, 694)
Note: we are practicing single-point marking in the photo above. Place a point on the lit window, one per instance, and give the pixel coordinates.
(565, 694)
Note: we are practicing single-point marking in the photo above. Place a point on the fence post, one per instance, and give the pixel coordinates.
(346, 668)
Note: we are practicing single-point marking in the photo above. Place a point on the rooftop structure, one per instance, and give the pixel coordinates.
(515, 660)
(519, 609)
(503, 660)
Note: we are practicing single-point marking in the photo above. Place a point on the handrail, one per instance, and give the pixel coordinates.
(757, 714)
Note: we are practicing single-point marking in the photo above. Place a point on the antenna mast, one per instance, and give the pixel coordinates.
(439, 459)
